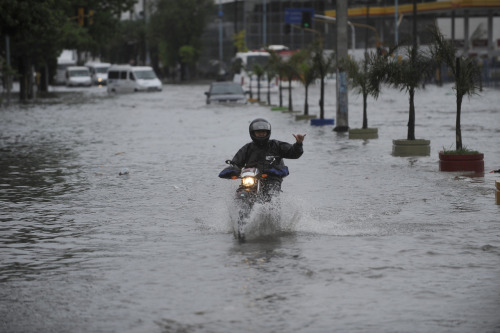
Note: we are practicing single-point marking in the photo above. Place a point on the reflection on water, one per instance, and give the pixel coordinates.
(34, 173)
(38, 175)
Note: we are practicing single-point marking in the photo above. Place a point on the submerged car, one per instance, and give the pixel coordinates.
(226, 92)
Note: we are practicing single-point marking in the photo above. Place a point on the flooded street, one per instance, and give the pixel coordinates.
(369, 242)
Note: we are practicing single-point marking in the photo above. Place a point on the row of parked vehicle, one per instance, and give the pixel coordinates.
(86, 75)
(117, 78)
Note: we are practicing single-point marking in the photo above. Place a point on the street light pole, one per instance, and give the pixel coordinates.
(341, 85)
(9, 77)
(264, 24)
(396, 27)
(328, 19)
(145, 9)
(220, 14)
(414, 23)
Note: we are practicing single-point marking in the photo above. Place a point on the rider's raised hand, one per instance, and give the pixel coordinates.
(299, 137)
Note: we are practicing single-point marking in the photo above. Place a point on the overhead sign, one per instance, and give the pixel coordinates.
(294, 15)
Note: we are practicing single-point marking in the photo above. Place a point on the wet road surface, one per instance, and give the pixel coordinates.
(369, 242)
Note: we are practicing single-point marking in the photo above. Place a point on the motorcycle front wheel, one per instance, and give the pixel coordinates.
(243, 215)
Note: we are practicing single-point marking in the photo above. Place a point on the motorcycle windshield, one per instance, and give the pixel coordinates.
(249, 172)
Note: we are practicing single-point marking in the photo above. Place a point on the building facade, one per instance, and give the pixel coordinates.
(264, 24)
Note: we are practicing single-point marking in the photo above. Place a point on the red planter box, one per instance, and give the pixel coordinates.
(469, 162)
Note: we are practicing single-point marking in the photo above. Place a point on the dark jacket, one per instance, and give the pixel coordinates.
(266, 157)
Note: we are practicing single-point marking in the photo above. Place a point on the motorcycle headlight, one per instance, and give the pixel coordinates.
(248, 181)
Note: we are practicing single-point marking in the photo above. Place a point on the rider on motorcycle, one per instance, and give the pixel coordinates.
(267, 155)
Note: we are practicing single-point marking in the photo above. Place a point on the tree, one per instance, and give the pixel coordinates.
(406, 73)
(126, 46)
(179, 23)
(40, 30)
(322, 65)
(291, 71)
(277, 64)
(188, 55)
(259, 72)
(75, 37)
(307, 75)
(250, 74)
(239, 41)
(34, 30)
(103, 32)
(464, 71)
(270, 75)
(359, 78)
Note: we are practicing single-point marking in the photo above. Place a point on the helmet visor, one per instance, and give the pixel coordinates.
(260, 126)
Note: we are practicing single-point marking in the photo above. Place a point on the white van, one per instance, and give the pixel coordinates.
(124, 79)
(98, 72)
(78, 76)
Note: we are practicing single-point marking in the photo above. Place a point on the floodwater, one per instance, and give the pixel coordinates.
(368, 242)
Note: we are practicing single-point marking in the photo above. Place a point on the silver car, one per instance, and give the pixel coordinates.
(226, 92)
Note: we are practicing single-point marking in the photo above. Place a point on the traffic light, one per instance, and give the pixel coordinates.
(81, 16)
(91, 17)
(306, 20)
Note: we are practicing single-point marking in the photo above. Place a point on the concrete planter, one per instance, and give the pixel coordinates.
(497, 193)
(363, 133)
(305, 116)
(466, 162)
(411, 147)
(279, 108)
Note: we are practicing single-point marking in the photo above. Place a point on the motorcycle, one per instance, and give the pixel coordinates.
(252, 189)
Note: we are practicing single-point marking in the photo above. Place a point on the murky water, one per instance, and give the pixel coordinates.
(369, 242)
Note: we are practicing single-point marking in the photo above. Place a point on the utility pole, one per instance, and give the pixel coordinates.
(415, 23)
(396, 25)
(9, 76)
(220, 14)
(342, 106)
(147, 57)
(264, 24)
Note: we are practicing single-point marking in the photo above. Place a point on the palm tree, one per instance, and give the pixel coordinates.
(322, 66)
(407, 74)
(277, 64)
(259, 72)
(291, 70)
(250, 74)
(307, 76)
(360, 78)
(464, 71)
(270, 75)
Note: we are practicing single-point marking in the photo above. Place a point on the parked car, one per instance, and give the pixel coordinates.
(226, 92)
(127, 79)
(78, 76)
(98, 72)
